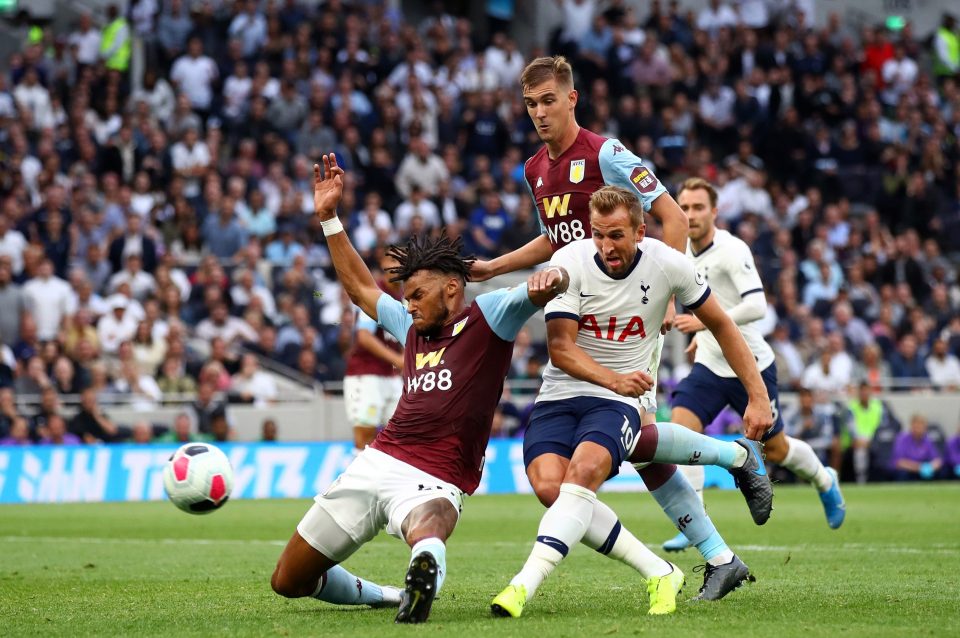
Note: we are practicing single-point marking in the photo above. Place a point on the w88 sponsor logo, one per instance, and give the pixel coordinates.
(430, 380)
(566, 232)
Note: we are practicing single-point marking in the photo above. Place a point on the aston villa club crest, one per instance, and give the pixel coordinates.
(577, 169)
(457, 327)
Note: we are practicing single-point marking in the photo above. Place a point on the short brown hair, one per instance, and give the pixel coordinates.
(609, 198)
(547, 68)
(695, 183)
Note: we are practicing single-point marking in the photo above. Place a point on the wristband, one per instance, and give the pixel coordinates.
(331, 226)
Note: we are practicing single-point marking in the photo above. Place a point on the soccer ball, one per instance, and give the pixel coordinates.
(198, 478)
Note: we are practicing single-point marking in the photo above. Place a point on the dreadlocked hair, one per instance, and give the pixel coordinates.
(441, 254)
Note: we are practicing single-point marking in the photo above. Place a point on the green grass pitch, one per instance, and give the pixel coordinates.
(146, 569)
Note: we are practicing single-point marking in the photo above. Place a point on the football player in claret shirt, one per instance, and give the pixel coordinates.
(586, 421)
(372, 385)
(413, 477)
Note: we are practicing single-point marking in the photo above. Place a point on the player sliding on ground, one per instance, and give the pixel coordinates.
(413, 477)
(727, 264)
(572, 164)
(586, 421)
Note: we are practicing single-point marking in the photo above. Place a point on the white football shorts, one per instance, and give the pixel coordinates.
(371, 399)
(375, 491)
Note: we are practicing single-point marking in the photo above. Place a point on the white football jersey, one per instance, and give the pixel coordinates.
(727, 265)
(619, 318)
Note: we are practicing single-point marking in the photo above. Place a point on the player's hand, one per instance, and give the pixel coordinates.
(552, 280)
(757, 419)
(327, 187)
(692, 348)
(634, 384)
(688, 324)
(668, 318)
(480, 270)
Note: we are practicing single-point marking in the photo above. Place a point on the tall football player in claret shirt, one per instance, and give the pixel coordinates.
(412, 479)
(561, 177)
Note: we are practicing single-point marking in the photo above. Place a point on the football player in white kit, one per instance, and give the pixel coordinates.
(727, 264)
(602, 333)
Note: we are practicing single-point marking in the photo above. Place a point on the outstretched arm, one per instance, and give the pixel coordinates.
(673, 220)
(536, 251)
(353, 274)
(758, 417)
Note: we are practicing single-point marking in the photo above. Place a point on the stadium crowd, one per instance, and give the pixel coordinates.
(140, 212)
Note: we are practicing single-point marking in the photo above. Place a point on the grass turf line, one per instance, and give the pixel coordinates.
(147, 569)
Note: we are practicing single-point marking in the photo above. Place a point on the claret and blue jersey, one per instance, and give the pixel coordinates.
(561, 187)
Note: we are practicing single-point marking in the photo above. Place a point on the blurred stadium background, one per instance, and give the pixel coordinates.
(158, 256)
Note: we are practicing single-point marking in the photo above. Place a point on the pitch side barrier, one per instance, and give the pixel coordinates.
(94, 473)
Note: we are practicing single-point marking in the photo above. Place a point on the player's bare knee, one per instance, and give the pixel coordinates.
(547, 491)
(588, 472)
(284, 586)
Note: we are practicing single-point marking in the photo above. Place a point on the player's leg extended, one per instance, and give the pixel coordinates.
(606, 535)
(671, 443)
(693, 473)
(724, 571)
(426, 529)
(304, 569)
(798, 457)
(562, 526)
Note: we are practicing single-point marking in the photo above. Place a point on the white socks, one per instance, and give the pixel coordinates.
(563, 526)
(606, 535)
(803, 461)
(435, 547)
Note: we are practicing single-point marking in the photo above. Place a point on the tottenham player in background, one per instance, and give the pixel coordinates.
(586, 421)
(372, 385)
(573, 164)
(727, 264)
(413, 477)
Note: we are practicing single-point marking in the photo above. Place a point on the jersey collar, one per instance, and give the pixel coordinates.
(697, 254)
(603, 269)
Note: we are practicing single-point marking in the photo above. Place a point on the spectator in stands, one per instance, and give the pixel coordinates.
(251, 384)
(488, 224)
(906, 363)
(207, 406)
(220, 430)
(8, 410)
(195, 74)
(47, 298)
(180, 433)
(57, 434)
(814, 421)
(141, 283)
(140, 390)
(134, 241)
(221, 324)
(915, 457)
(90, 423)
(117, 326)
(268, 431)
(942, 366)
(141, 433)
(12, 305)
(173, 378)
(19, 433)
(420, 168)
